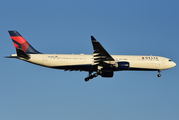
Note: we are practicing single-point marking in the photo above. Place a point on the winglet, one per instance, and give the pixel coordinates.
(93, 39)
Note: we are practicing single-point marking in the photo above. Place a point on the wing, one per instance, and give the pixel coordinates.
(101, 56)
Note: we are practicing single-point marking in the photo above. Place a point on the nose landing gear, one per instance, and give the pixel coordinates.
(159, 75)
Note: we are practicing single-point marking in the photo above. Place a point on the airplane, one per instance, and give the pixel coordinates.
(100, 62)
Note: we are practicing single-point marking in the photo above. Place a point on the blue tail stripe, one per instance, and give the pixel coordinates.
(31, 50)
(17, 44)
(14, 33)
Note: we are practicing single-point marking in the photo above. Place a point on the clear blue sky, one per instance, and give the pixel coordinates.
(128, 27)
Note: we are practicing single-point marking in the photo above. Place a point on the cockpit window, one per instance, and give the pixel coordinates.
(170, 60)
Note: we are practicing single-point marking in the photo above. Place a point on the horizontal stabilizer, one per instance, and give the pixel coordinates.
(21, 53)
(11, 57)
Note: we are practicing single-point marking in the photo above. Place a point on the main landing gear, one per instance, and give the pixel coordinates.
(159, 75)
(91, 76)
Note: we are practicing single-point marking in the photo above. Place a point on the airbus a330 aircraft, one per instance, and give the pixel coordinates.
(100, 62)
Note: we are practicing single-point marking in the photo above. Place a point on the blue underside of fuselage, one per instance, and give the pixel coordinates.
(94, 68)
(77, 67)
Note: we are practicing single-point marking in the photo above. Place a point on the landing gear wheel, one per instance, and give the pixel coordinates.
(159, 75)
(96, 74)
(91, 76)
(86, 79)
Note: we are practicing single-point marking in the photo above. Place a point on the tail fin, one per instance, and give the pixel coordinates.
(21, 44)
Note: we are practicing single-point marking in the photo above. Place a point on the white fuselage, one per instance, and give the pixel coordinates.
(136, 62)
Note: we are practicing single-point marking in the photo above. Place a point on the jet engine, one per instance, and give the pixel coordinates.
(123, 65)
(106, 74)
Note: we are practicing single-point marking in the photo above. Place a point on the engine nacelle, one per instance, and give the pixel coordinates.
(107, 74)
(123, 65)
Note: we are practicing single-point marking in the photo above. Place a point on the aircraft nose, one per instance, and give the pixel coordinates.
(174, 64)
(170, 64)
